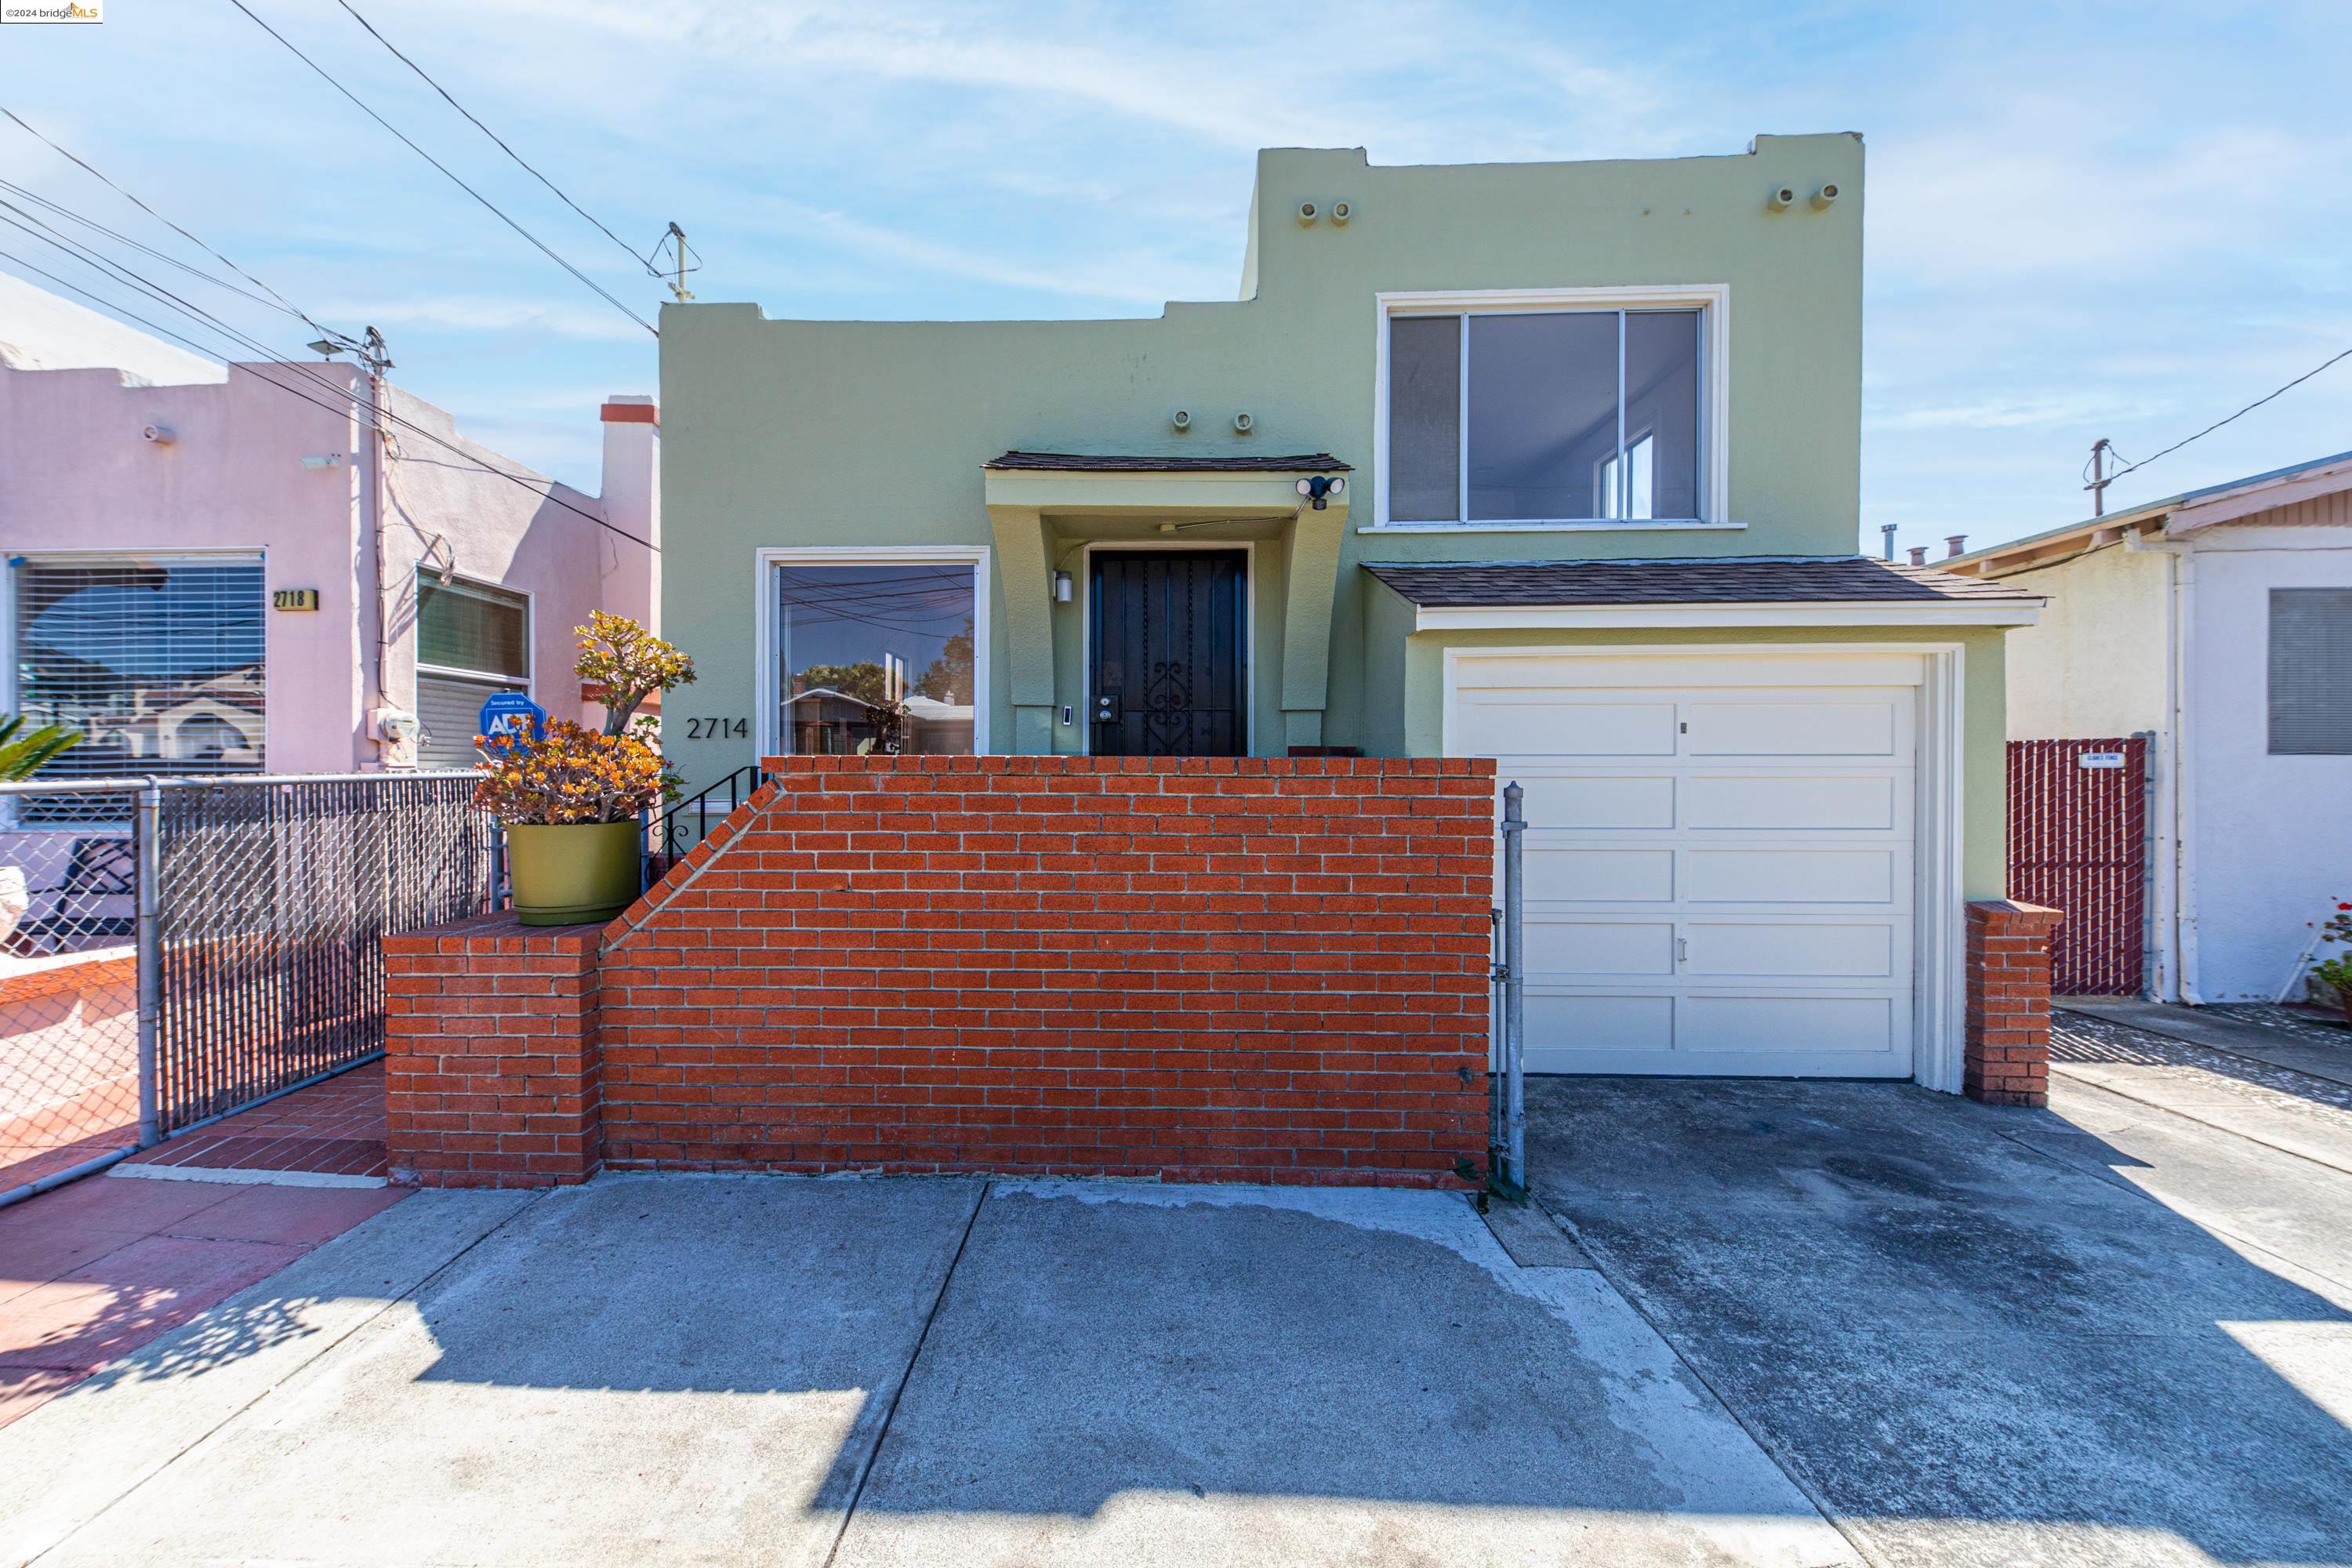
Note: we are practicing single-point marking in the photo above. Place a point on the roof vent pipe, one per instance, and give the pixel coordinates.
(1918, 555)
(1955, 544)
(1886, 538)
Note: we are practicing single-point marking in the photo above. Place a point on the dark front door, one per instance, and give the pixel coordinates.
(1170, 677)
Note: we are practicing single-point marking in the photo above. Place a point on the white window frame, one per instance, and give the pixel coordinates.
(1713, 302)
(451, 672)
(766, 694)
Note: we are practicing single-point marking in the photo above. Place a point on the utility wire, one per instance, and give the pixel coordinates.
(37, 199)
(542, 246)
(2249, 408)
(341, 391)
(159, 217)
(494, 136)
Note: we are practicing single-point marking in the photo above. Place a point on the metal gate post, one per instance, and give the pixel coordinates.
(147, 847)
(1513, 1174)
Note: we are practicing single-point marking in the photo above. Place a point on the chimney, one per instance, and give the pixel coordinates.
(1918, 555)
(1955, 544)
(630, 581)
(1886, 537)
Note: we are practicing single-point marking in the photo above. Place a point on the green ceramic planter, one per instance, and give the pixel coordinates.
(575, 873)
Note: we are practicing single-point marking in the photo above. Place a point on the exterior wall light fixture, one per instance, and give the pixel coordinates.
(1320, 489)
(1062, 588)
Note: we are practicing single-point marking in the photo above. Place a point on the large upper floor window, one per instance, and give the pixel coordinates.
(157, 659)
(472, 639)
(1522, 413)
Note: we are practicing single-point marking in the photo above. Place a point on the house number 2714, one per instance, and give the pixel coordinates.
(717, 729)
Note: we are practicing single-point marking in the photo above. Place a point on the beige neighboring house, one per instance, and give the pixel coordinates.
(2222, 621)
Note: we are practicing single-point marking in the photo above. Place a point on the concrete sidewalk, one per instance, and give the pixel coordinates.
(684, 1370)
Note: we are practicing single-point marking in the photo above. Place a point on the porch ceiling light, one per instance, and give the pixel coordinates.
(1320, 489)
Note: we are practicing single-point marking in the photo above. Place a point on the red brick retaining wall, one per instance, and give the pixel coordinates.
(1236, 970)
(2008, 1001)
(491, 1054)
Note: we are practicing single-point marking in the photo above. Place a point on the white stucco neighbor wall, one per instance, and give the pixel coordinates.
(2093, 666)
(80, 477)
(2271, 837)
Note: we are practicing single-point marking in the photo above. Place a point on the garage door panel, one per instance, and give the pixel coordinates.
(1599, 875)
(1640, 1026)
(1564, 948)
(1768, 729)
(1811, 875)
(1730, 893)
(1594, 802)
(1759, 1024)
(1776, 949)
(1767, 803)
(1494, 724)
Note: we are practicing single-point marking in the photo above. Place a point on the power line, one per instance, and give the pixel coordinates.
(23, 195)
(494, 136)
(159, 217)
(338, 389)
(2249, 408)
(543, 247)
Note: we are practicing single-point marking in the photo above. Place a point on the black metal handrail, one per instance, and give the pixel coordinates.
(672, 835)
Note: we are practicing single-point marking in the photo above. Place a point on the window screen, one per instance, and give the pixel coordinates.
(478, 640)
(158, 660)
(2311, 672)
(472, 627)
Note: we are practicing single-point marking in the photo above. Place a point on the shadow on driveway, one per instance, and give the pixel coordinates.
(1974, 1340)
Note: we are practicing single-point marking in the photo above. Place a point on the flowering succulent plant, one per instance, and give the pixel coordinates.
(571, 775)
(2336, 972)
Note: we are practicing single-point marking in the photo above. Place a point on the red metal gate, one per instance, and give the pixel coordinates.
(2078, 842)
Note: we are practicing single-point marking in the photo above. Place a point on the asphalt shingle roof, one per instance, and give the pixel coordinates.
(1089, 463)
(1689, 581)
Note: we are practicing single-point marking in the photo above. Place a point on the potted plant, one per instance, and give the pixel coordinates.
(22, 754)
(570, 797)
(2336, 973)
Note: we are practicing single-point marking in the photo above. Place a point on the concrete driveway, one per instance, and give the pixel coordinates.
(2111, 1333)
(1830, 1323)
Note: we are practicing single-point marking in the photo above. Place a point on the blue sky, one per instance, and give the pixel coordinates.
(2084, 220)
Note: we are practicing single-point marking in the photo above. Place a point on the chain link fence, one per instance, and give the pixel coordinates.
(182, 948)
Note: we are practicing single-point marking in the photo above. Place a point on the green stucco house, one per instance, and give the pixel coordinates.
(1555, 463)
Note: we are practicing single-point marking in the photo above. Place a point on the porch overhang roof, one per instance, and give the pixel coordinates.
(1698, 592)
(1163, 485)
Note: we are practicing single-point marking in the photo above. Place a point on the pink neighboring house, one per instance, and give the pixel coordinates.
(168, 528)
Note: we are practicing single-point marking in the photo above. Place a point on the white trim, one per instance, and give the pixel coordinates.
(1769, 612)
(765, 696)
(1940, 978)
(1712, 300)
(1248, 547)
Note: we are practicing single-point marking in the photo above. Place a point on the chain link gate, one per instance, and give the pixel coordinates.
(183, 948)
(2078, 842)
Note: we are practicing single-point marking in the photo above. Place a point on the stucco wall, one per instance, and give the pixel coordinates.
(839, 433)
(2094, 664)
(80, 477)
(2272, 840)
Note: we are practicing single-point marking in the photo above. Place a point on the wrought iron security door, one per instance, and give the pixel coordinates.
(1170, 673)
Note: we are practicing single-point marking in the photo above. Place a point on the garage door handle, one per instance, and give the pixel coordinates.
(1682, 949)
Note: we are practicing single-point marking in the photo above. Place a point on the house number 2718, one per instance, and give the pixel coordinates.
(717, 729)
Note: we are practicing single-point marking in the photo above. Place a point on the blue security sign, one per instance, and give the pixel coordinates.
(511, 716)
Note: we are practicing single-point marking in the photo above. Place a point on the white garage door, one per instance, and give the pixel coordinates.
(1719, 861)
